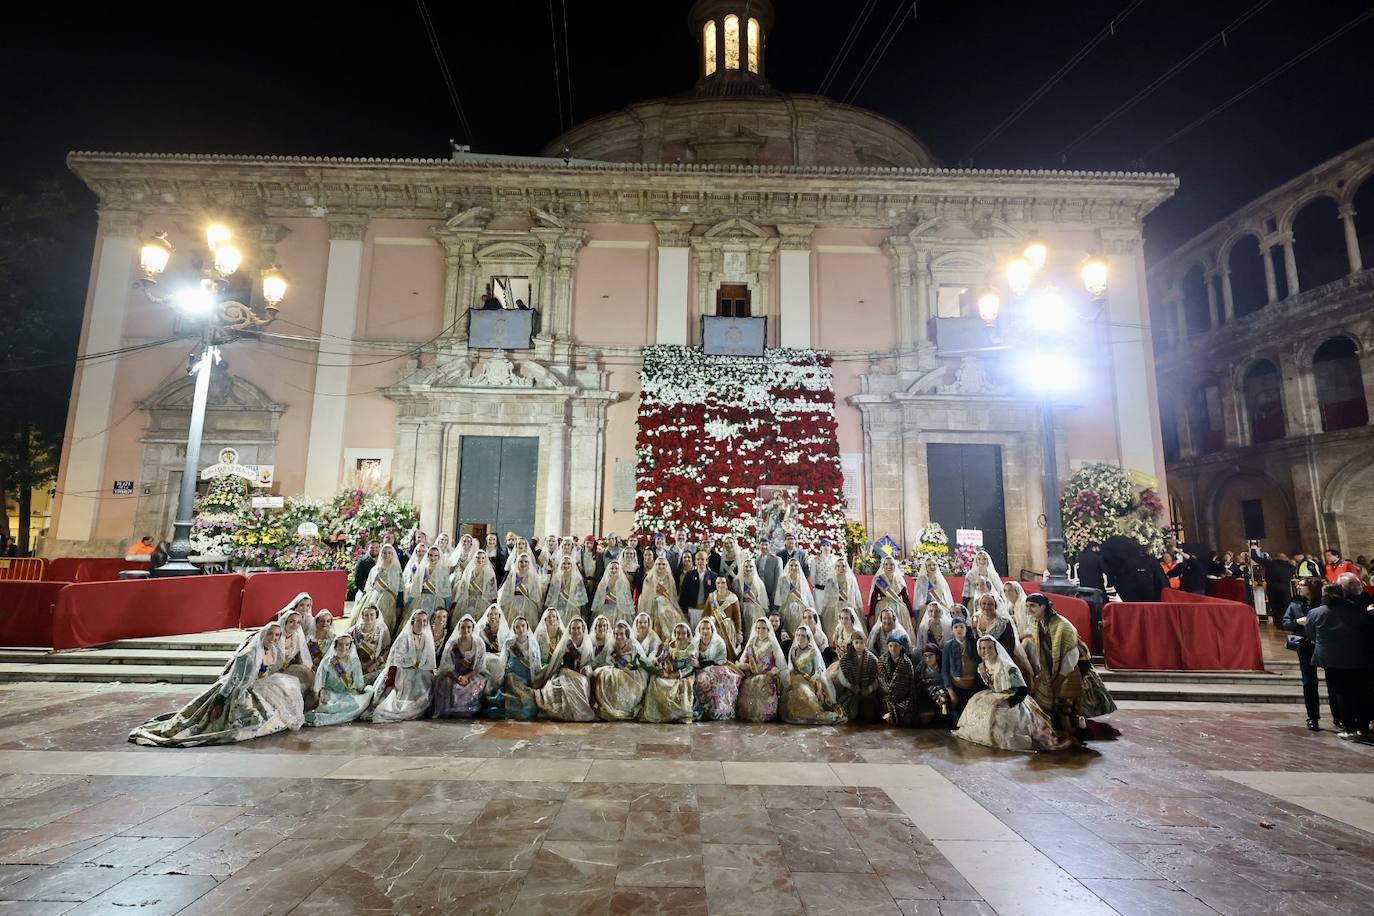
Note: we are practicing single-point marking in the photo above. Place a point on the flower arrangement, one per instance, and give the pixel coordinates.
(713, 428)
(855, 541)
(962, 559)
(1099, 501)
(933, 544)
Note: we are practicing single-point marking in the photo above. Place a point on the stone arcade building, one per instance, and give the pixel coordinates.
(835, 223)
(1264, 323)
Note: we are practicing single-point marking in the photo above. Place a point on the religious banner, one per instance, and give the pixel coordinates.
(777, 508)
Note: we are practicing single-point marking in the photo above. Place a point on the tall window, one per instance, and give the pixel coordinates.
(1340, 386)
(1263, 390)
(732, 42)
(708, 41)
(753, 46)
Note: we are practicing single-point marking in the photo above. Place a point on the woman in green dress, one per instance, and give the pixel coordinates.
(808, 697)
(340, 685)
(252, 698)
(671, 696)
(621, 682)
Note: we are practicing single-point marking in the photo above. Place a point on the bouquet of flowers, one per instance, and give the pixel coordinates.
(962, 560)
(1099, 501)
(260, 539)
(933, 544)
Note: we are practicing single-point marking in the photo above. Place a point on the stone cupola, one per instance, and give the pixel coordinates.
(732, 36)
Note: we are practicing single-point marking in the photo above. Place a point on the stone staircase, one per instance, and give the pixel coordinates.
(198, 659)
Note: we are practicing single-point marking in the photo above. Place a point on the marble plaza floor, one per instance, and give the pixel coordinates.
(1192, 809)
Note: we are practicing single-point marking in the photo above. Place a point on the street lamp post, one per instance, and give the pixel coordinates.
(1042, 321)
(220, 319)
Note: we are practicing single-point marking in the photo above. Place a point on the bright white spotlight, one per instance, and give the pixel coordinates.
(196, 300)
(1049, 310)
(1049, 373)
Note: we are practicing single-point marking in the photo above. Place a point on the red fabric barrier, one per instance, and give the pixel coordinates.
(1193, 634)
(1075, 610)
(1228, 589)
(90, 569)
(26, 612)
(267, 592)
(96, 613)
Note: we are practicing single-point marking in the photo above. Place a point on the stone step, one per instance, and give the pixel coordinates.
(128, 674)
(1182, 691)
(145, 657)
(216, 641)
(1260, 678)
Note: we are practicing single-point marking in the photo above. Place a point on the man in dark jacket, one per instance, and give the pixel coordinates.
(364, 567)
(697, 584)
(1192, 569)
(1342, 635)
(1134, 574)
(790, 551)
(1279, 573)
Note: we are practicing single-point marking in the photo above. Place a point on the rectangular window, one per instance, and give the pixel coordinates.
(953, 302)
(732, 301)
(1252, 517)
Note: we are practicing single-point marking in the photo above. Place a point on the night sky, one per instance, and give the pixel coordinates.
(309, 79)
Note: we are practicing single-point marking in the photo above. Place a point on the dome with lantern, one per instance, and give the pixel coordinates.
(733, 115)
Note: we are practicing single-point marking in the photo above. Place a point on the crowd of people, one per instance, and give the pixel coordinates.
(672, 631)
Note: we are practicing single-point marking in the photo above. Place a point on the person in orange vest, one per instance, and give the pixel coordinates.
(1169, 563)
(143, 550)
(1335, 566)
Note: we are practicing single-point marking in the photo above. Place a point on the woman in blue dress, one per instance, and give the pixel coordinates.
(340, 685)
(522, 668)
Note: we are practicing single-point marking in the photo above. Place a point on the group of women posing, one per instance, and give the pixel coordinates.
(1010, 676)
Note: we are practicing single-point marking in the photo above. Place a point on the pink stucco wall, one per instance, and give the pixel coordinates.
(615, 286)
(401, 294)
(852, 304)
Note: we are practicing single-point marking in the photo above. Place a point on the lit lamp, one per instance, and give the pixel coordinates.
(1093, 272)
(1020, 273)
(989, 305)
(220, 319)
(1035, 254)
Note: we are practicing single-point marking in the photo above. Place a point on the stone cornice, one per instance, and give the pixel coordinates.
(285, 186)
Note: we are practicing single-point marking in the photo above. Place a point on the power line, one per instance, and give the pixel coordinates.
(1107, 31)
(1218, 39)
(90, 359)
(846, 46)
(1257, 84)
(890, 31)
(443, 69)
(567, 65)
(557, 78)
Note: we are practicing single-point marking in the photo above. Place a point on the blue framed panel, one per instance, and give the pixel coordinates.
(722, 336)
(501, 329)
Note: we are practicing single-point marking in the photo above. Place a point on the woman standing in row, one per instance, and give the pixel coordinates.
(842, 592)
(614, 598)
(567, 593)
(383, 587)
(659, 600)
(477, 588)
(792, 595)
(889, 594)
(427, 588)
(723, 609)
(520, 593)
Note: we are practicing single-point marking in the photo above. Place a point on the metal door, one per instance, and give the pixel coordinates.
(497, 482)
(966, 492)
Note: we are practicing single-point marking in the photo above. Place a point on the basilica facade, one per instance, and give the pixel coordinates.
(835, 224)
